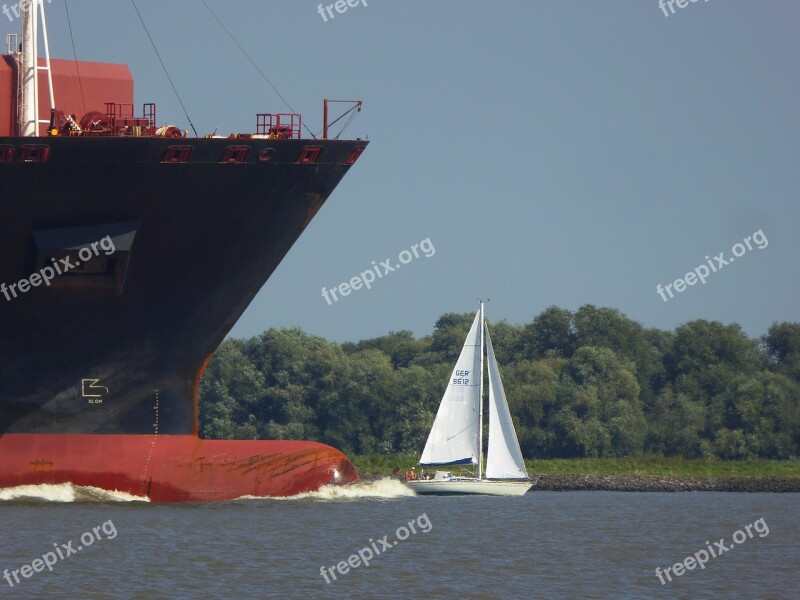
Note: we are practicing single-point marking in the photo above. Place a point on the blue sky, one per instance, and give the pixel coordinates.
(561, 153)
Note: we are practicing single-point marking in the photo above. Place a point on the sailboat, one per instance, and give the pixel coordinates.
(456, 437)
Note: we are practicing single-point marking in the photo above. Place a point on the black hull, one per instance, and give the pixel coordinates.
(122, 352)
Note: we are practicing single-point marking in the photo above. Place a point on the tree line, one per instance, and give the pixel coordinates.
(589, 383)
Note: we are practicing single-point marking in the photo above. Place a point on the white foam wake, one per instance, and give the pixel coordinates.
(381, 489)
(65, 492)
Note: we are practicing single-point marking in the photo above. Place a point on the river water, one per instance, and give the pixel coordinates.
(543, 545)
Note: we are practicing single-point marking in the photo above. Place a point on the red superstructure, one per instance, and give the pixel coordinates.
(7, 102)
(83, 87)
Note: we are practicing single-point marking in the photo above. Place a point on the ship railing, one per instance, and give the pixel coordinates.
(13, 44)
(122, 122)
(118, 120)
(279, 125)
(149, 113)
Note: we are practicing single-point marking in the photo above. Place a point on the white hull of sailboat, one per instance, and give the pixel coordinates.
(466, 486)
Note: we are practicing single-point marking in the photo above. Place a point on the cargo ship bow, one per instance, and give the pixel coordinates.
(128, 250)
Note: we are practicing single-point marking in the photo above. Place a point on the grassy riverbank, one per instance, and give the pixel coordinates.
(674, 467)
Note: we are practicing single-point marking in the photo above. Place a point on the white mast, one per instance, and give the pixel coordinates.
(29, 70)
(480, 410)
(46, 66)
(29, 109)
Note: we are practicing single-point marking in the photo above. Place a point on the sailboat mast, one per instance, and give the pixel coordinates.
(480, 410)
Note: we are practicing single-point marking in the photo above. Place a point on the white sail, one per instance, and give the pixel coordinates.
(504, 458)
(454, 436)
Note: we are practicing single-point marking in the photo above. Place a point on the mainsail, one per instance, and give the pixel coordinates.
(454, 437)
(503, 458)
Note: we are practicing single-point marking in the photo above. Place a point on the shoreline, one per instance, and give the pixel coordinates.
(665, 483)
(653, 483)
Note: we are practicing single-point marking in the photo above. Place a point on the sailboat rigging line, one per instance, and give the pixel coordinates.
(163, 66)
(75, 56)
(458, 433)
(252, 62)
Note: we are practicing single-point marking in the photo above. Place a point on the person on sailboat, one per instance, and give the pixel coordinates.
(412, 475)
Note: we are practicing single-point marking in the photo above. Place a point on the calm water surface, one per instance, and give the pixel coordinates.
(543, 545)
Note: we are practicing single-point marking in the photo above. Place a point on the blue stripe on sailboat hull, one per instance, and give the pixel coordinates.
(462, 461)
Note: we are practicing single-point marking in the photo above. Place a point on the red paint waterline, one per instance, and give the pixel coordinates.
(172, 468)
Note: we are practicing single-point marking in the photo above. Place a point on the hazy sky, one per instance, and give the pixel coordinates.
(563, 153)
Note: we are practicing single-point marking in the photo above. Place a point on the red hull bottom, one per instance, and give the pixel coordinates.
(172, 468)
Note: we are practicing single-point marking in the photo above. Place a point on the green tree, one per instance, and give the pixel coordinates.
(782, 346)
(231, 391)
(611, 396)
(551, 332)
(448, 338)
(593, 383)
(400, 347)
(675, 425)
(764, 410)
(701, 344)
(532, 389)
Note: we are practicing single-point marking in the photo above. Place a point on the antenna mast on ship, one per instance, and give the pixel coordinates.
(28, 120)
